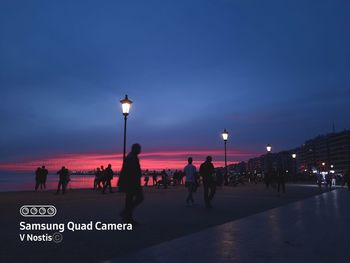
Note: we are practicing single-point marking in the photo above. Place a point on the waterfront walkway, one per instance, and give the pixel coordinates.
(315, 229)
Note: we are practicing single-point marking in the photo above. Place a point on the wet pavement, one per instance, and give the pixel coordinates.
(315, 229)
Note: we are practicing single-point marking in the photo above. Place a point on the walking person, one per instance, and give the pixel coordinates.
(130, 182)
(190, 173)
(63, 179)
(108, 176)
(206, 171)
(328, 181)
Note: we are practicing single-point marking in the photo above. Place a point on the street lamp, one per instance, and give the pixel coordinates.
(294, 156)
(224, 135)
(126, 104)
(268, 148)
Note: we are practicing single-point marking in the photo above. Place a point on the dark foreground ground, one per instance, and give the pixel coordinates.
(163, 217)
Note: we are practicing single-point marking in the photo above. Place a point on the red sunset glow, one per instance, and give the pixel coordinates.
(157, 160)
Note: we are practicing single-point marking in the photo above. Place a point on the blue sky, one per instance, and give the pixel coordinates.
(269, 71)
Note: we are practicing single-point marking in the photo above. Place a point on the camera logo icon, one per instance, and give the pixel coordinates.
(38, 211)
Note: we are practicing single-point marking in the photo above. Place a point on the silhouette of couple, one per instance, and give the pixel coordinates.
(206, 171)
(40, 177)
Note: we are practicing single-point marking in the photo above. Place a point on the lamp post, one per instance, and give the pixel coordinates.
(126, 104)
(224, 135)
(294, 156)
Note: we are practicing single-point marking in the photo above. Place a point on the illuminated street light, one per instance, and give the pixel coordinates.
(126, 105)
(294, 156)
(268, 148)
(224, 135)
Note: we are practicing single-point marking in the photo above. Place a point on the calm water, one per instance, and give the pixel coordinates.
(11, 181)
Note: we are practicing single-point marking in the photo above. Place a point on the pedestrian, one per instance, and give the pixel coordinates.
(37, 178)
(44, 173)
(154, 178)
(108, 177)
(63, 179)
(97, 180)
(146, 177)
(190, 173)
(206, 171)
(130, 182)
(334, 178)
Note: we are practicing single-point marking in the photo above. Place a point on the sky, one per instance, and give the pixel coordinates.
(268, 71)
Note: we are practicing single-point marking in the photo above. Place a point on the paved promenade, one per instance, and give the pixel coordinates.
(164, 217)
(316, 229)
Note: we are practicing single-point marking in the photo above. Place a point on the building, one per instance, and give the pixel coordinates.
(324, 152)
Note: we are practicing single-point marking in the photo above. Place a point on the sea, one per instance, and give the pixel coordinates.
(24, 181)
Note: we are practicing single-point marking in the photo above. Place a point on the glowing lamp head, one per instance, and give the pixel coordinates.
(126, 105)
(323, 164)
(268, 148)
(224, 135)
(332, 166)
(294, 156)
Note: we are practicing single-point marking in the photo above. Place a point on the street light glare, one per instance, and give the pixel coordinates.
(224, 135)
(294, 156)
(268, 148)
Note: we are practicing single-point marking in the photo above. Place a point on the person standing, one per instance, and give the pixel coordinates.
(44, 173)
(154, 178)
(130, 182)
(108, 175)
(146, 177)
(206, 171)
(63, 180)
(37, 178)
(190, 173)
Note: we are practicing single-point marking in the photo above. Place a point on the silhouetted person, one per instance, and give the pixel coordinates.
(44, 173)
(37, 178)
(154, 178)
(108, 177)
(146, 178)
(97, 180)
(206, 172)
(63, 179)
(130, 182)
(190, 173)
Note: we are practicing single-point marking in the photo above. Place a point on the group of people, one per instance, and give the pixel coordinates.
(130, 181)
(103, 178)
(206, 171)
